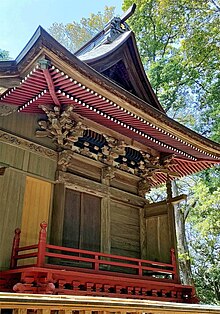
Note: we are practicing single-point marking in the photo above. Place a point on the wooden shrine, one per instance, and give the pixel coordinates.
(83, 140)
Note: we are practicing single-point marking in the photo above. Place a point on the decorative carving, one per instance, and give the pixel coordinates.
(85, 150)
(108, 172)
(25, 144)
(116, 27)
(124, 166)
(64, 160)
(6, 110)
(113, 150)
(143, 187)
(167, 161)
(60, 126)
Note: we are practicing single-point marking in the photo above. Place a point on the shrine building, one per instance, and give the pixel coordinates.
(83, 140)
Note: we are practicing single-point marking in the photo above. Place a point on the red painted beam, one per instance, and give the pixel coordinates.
(51, 87)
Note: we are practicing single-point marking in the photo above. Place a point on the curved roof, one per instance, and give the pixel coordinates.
(120, 61)
(49, 74)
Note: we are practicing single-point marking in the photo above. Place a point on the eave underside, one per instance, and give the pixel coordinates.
(51, 86)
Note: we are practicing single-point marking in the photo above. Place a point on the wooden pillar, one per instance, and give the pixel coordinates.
(108, 174)
(169, 189)
(105, 225)
(143, 244)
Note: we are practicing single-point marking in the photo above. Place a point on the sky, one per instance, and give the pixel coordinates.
(20, 18)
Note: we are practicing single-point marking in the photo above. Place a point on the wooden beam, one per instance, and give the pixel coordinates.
(177, 199)
(107, 304)
(9, 82)
(174, 201)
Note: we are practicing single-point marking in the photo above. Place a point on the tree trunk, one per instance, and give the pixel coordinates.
(183, 251)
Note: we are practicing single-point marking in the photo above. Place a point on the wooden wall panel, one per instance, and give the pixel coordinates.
(126, 182)
(125, 230)
(25, 160)
(12, 186)
(41, 166)
(56, 235)
(12, 155)
(158, 233)
(25, 125)
(71, 221)
(90, 223)
(37, 201)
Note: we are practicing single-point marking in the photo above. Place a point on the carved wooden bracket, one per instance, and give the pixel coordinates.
(108, 172)
(68, 132)
(64, 160)
(60, 126)
(113, 150)
(144, 187)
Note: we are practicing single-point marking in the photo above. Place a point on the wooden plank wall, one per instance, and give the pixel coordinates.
(158, 232)
(20, 163)
(36, 208)
(25, 125)
(125, 230)
(30, 162)
(12, 185)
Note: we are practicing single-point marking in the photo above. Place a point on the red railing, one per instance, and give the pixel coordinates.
(88, 260)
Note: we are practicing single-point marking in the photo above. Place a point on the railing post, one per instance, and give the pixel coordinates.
(173, 261)
(42, 244)
(15, 247)
(96, 262)
(140, 272)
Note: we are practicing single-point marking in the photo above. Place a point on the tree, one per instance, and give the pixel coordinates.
(179, 47)
(74, 35)
(204, 241)
(4, 55)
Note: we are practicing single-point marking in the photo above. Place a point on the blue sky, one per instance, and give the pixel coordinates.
(20, 18)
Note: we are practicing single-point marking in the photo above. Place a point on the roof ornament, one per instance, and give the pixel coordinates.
(117, 25)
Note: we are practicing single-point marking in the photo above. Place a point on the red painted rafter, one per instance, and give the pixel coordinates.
(69, 91)
(51, 86)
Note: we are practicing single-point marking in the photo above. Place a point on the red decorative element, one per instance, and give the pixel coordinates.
(51, 87)
(97, 274)
(42, 244)
(19, 287)
(173, 261)
(50, 288)
(15, 247)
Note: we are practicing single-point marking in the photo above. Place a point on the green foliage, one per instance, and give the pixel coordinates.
(179, 46)
(204, 241)
(74, 35)
(4, 55)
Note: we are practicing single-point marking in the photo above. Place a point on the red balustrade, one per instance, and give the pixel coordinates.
(62, 270)
(95, 261)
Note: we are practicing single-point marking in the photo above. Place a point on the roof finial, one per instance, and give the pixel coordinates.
(128, 13)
